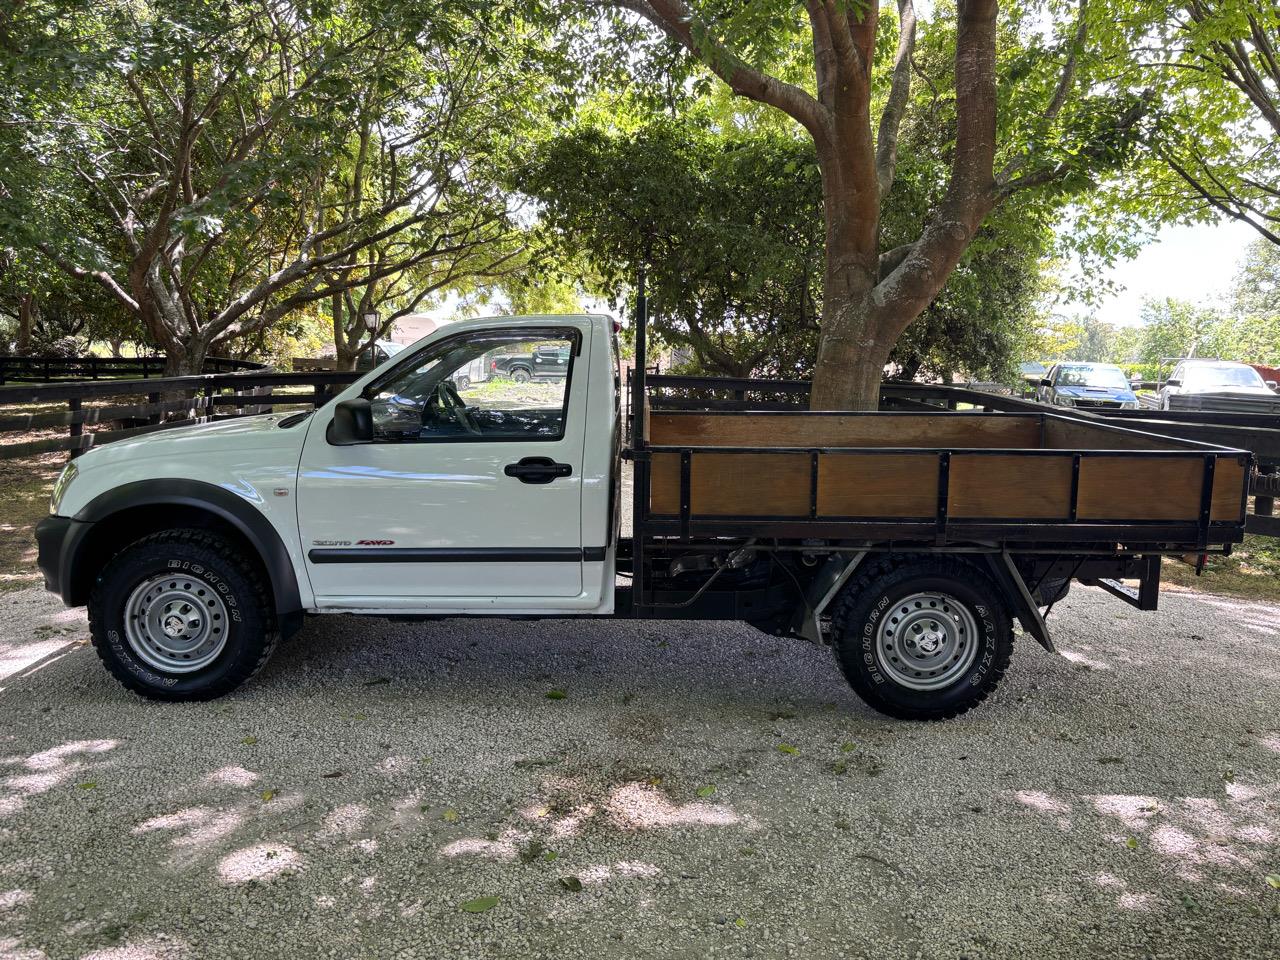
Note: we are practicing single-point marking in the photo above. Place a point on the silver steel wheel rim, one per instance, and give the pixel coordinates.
(927, 641)
(177, 624)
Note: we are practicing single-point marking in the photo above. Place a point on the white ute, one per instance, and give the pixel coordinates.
(423, 491)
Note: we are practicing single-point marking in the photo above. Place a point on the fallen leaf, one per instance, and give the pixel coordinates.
(707, 791)
(654, 781)
(848, 747)
(1273, 881)
(787, 748)
(1110, 760)
(479, 905)
(1131, 843)
(88, 785)
(450, 816)
(740, 922)
(331, 775)
(572, 884)
(249, 741)
(267, 795)
(550, 855)
(555, 694)
(376, 682)
(840, 767)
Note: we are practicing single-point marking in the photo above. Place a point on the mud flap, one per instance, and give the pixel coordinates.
(1024, 606)
(822, 590)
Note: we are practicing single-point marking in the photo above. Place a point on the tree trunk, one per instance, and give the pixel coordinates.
(345, 351)
(852, 350)
(185, 359)
(26, 316)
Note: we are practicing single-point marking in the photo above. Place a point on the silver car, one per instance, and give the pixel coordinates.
(1214, 376)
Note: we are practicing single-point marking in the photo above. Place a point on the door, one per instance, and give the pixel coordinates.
(466, 492)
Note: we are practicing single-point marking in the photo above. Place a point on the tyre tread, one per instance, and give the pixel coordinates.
(220, 551)
(869, 578)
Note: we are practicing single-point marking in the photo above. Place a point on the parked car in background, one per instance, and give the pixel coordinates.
(546, 362)
(1224, 377)
(1087, 385)
(376, 354)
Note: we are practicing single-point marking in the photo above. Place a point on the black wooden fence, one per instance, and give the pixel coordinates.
(126, 408)
(47, 369)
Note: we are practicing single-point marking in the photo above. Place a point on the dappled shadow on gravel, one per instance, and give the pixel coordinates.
(652, 790)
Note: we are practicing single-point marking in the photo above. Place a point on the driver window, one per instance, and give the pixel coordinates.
(497, 386)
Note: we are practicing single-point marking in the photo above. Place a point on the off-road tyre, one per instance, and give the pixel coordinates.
(208, 566)
(521, 375)
(876, 594)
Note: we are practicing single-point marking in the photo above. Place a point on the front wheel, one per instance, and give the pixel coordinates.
(924, 639)
(182, 615)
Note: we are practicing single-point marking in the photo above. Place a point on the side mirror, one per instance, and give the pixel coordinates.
(1046, 383)
(1273, 385)
(352, 423)
(1173, 383)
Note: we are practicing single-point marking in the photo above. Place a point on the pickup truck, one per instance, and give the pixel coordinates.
(545, 362)
(909, 542)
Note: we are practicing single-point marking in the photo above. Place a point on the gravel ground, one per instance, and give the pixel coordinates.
(714, 792)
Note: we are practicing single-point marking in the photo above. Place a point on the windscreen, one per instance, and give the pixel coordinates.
(1222, 375)
(1091, 376)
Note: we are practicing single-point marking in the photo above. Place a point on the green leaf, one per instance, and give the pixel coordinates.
(88, 785)
(572, 884)
(1273, 881)
(707, 791)
(550, 856)
(249, 741)
(450, 816)
(848, 747)
(479, 905)
(267, 795)
(840, 767)
(787, 748)
(1131, 843)
(556, 694)
(740, 922)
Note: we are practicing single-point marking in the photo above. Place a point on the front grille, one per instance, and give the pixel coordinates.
(1082, 402)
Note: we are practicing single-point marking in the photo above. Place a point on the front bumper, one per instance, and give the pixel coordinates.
(57, 540)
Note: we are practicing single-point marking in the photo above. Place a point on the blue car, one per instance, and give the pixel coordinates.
(1087, 385)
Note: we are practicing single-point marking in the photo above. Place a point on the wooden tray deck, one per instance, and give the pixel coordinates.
(945, 468)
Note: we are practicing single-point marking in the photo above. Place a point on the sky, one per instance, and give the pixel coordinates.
(1196, 263)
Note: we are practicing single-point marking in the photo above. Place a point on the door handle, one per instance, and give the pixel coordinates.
(537, 470)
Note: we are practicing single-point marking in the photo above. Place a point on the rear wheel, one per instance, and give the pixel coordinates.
(182, 615)
(521, 375)
(923, 639)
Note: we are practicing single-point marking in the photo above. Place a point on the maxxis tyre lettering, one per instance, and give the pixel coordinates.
(218, 564)
(875, 590)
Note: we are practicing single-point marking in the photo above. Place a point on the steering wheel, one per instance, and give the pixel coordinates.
(451, 402)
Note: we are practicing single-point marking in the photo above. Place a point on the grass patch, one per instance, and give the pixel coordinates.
(1251, 572)
(25, 488)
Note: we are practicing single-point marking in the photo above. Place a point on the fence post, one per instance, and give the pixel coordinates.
(1265, 506)
(157, 416)
(75, 429)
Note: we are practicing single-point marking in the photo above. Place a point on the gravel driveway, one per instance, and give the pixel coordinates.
(699, 790)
